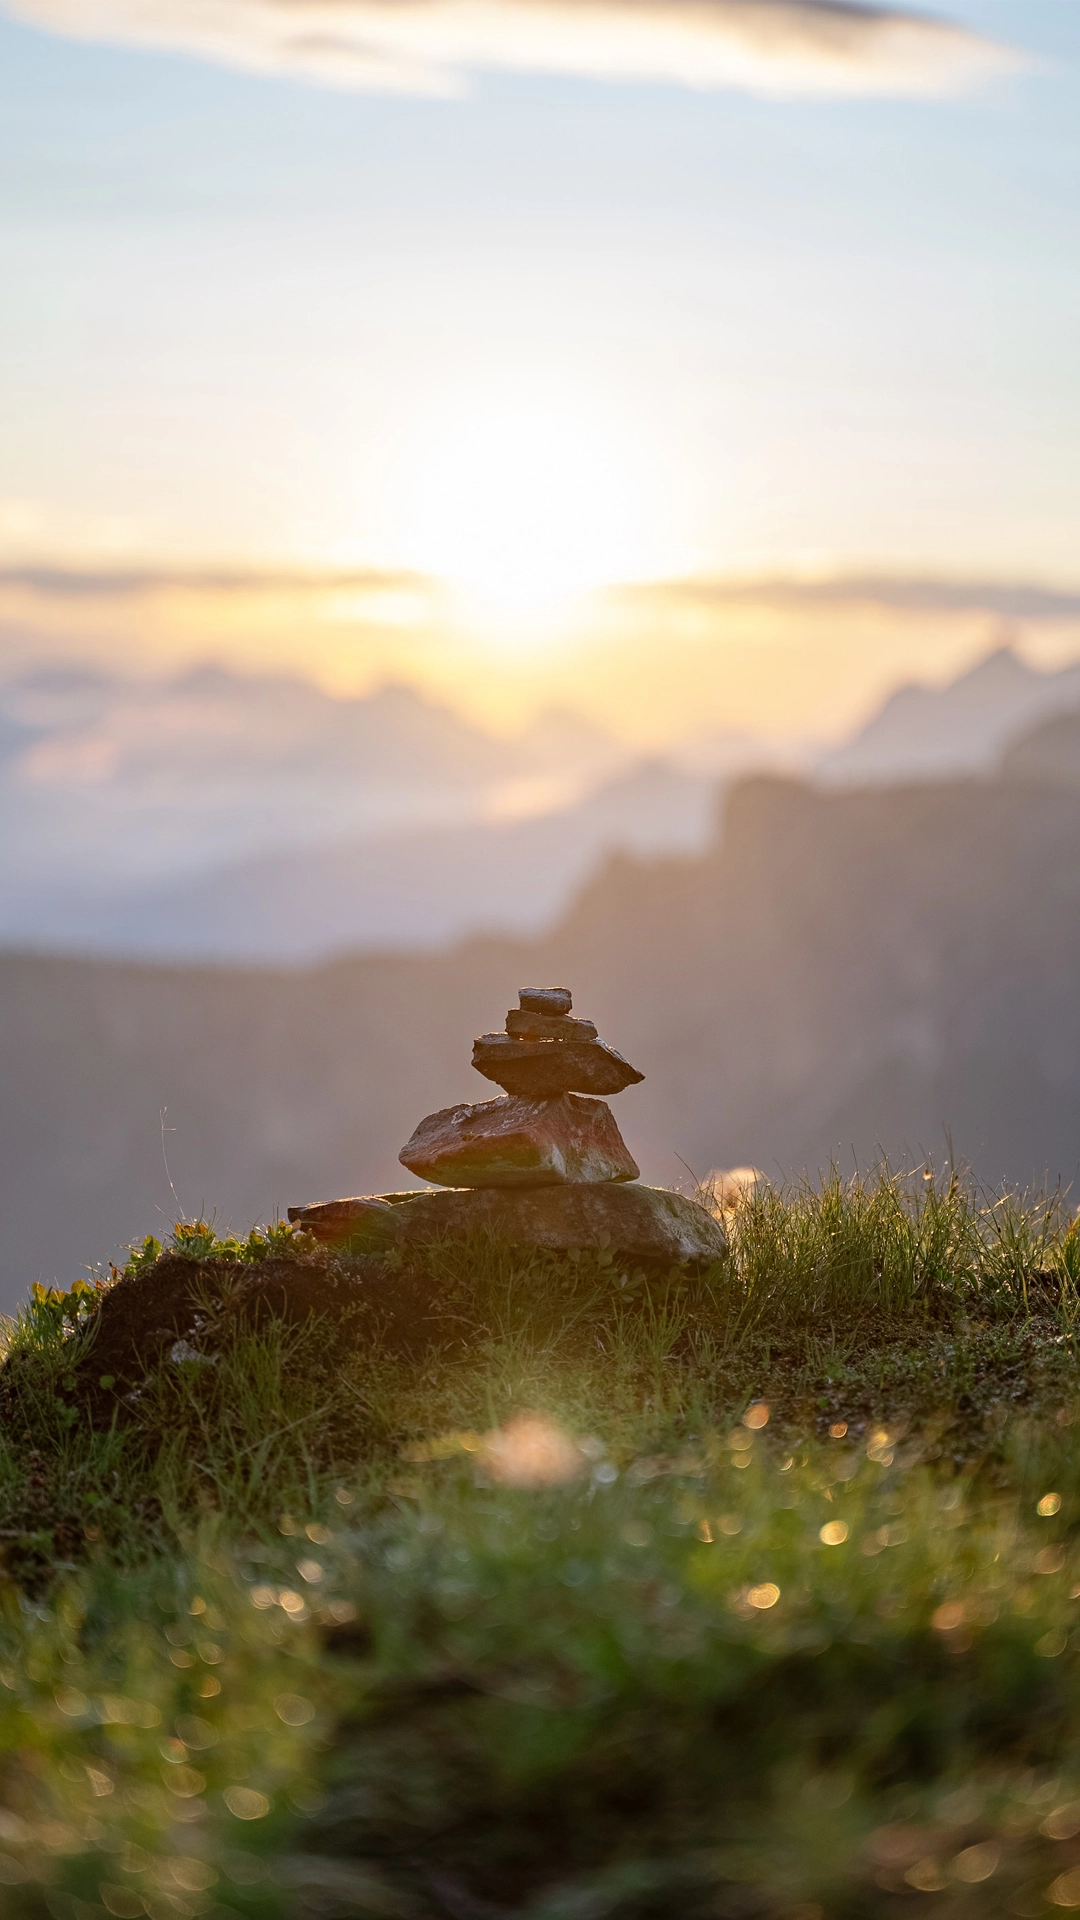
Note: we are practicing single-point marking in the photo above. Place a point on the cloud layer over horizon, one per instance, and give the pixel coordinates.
(781, 47)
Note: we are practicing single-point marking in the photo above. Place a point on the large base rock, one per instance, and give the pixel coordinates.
(639, 1223)
(520, 1143)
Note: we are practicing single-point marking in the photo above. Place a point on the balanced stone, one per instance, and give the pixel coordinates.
(546, 1026)
(636, 1223)
(553, 1000)
(520, 1143)
(543, 1069)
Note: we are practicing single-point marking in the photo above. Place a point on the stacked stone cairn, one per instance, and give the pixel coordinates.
(544, 1133)
(544, 1166)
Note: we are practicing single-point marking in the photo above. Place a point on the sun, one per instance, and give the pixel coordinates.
(523, 502)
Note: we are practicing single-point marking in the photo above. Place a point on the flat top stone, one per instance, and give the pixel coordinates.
(545, 999)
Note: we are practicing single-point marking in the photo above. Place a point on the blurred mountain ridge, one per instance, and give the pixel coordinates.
(168, 818)
(165, 817)
(419, 889)
(1048, 757)
(135, 779)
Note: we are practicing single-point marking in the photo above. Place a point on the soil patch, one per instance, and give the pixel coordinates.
(145, 1313)
(182, 1309)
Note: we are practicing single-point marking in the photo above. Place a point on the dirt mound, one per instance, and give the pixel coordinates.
(145, 1313)
(182, 1309)
(205, 1304)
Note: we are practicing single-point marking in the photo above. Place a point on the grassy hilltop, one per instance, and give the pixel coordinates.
(493, 1586)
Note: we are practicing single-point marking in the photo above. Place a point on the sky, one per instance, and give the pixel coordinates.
(536, 298)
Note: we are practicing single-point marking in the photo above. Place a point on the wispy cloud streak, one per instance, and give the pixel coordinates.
(1019, 599)
(437, 46)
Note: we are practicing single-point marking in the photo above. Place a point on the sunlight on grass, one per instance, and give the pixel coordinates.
(579, 1595)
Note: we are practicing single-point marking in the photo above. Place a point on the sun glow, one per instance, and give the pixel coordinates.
(523, 504)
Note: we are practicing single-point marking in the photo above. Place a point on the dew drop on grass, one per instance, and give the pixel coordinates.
(975, 1864)
(121, 1901)
(926, 1877)
(245, 1804)
(293, 1709)
(244, 1869)
(185, 1782)
(194, 1876)
(1065, 1890)
(195, 1733)
(71, 1702)
(1063, 1823)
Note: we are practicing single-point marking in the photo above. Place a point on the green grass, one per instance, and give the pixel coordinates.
(799, 1639)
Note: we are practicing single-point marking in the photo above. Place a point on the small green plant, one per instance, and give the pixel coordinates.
(141, 1257)
(195, 1240)
(54, 1313)
(199, 1240)
(279, 1240)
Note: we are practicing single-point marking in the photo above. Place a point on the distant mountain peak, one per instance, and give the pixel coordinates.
(1002, 666)
(935, 733)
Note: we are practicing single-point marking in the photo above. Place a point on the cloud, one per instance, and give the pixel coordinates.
(1010, 600)
(780, 47)
(58, 584)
